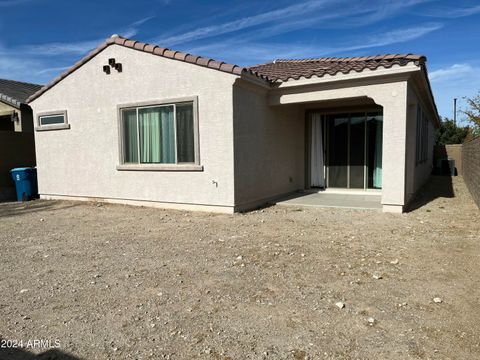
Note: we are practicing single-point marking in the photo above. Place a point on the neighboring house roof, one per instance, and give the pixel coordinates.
(285, 70)
(15, 93)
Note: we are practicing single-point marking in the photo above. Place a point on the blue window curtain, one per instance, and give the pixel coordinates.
(130, 136)
(157, 135)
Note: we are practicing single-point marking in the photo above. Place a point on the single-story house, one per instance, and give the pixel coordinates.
(138, 124)
(17, 148)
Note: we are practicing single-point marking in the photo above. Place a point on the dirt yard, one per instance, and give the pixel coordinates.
(118, 282)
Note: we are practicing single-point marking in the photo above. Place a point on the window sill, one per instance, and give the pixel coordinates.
(159, 167)
(52, 127)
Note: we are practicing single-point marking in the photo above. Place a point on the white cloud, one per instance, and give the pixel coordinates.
(246, 22)
(40, 62)
(312, 14)
(454, 71)
(453, 13)
(12, 68)
(79, 47)
(251, 44)
(299, 16)
(141, 21)
(249, 53)
(391, 37)
(52, 70)
(455, 81)
(245, 51)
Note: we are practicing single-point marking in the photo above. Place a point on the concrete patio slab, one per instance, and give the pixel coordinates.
(322, 199)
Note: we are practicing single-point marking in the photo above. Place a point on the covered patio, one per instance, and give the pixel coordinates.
(355, 140)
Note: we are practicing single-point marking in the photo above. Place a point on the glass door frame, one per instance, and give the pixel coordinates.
(326, 143)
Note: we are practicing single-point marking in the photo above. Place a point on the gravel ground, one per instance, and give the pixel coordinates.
(119, 282)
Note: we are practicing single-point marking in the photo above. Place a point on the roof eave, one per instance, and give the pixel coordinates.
(430, 91)
(10, 101)
(351, 75)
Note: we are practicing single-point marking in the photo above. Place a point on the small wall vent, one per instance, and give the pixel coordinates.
(112, 64)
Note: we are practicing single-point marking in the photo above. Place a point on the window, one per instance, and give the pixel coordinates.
(422, 136)
(163, 134)
(53, 121)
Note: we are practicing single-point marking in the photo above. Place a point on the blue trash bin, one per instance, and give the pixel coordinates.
(25, 183)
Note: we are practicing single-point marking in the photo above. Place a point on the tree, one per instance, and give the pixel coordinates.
(450, 133)
(473, 112)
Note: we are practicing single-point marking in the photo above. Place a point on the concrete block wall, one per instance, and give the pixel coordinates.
(471, 167)
(453, 151)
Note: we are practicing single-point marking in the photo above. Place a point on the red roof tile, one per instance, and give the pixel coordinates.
(285, 69)
(279, 70)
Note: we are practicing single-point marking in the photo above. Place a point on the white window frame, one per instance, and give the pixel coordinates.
(59, 126)
(194, 166)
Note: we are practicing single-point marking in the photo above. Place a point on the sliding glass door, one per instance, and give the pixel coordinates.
(354, 150)
(357, 151)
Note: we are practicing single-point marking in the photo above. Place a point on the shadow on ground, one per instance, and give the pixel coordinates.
(21, 354)
(10, 209)
(436, 187)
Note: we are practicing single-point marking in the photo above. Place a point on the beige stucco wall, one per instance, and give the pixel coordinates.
(391, 94)
(417, 174)
(269, 147)
(81, 161)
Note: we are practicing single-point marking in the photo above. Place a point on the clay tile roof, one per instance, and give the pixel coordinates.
(191, 58)
(279, 70)
(285, 69)
(203, 61)
(159, 50)
(215, 64)
(149, 48)
(152, 49)
(139, 46)
(15, 93)
(181, 56)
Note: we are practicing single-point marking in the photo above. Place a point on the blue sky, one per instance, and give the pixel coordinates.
(41, 38)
